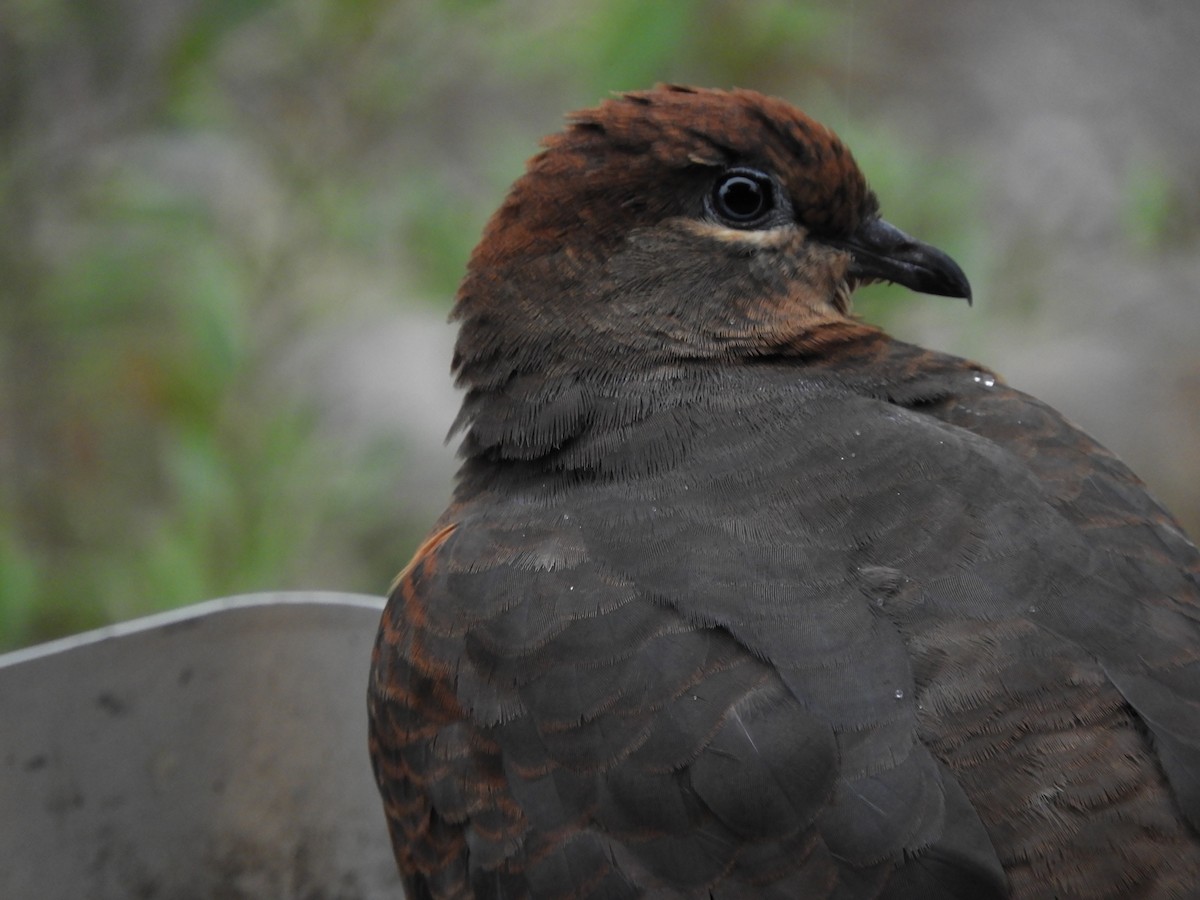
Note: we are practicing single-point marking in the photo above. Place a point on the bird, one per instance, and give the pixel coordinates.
(738, 596)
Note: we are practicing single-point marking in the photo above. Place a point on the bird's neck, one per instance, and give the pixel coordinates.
(596, 420)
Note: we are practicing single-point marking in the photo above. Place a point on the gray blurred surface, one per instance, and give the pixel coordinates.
(216, 751)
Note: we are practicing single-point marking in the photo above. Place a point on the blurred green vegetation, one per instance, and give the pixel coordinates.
(1153, 214)
(190, 190)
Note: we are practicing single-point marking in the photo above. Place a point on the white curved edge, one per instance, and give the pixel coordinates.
(188, 613)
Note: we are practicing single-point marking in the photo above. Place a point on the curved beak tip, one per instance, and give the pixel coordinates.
(880, 251)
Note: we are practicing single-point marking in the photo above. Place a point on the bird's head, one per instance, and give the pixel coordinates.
(680, 223)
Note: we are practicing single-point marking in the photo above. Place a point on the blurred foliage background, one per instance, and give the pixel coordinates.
(232, 232)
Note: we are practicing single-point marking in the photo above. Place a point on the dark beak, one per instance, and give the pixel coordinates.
(880, 251)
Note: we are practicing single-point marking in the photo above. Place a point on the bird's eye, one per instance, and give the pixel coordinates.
(743, 197)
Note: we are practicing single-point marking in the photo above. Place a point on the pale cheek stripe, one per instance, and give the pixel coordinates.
(763, 237)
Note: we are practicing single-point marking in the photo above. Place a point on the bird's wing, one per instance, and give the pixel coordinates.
(787, 659)
(1138, 609)
(627, 691)
(1065, 631)
(543, 725)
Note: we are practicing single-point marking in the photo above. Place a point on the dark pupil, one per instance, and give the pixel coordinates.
(741, 197)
